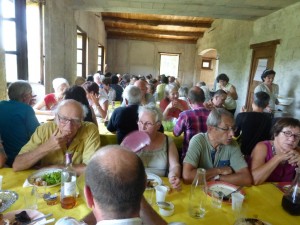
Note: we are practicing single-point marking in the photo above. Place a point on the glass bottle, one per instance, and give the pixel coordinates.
(198, 195)
(68, 184)
(291, 199)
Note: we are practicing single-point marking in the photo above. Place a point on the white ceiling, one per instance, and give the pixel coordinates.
(226, 9)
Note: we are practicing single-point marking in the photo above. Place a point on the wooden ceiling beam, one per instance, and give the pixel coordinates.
(139, 38)
(157, 22)
(154, 31)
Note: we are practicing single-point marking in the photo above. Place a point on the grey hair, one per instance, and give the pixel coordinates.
(215, 116)
(151, 107)
(169, 88)
(65, 102)
(57, 82)
(133, 95)
(18, 89)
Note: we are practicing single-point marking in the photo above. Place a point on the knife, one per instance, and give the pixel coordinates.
(38, 219)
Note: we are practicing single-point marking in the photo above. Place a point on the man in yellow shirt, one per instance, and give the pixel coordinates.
(49, 143)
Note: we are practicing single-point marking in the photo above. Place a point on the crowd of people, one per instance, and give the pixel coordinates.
(250, 149)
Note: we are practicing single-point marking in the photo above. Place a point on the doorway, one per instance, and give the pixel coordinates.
(263, 55)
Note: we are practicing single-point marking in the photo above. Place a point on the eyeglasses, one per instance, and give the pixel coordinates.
(226, 129)
(64, 120)
(146, 124)
(290, 134)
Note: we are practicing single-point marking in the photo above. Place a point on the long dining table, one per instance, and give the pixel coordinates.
(262, 202)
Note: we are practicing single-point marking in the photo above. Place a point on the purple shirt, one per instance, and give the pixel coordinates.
(284, 172)
(191, 122)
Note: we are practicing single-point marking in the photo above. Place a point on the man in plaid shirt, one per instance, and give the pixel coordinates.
(192, 121)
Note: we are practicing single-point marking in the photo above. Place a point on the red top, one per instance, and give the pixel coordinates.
(50, 101)
(173, 112)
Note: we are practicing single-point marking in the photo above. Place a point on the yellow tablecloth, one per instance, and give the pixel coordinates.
(263, 202)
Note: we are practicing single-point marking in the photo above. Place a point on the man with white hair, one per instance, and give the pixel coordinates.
(17, 119)
(124, 119)
(49, 143)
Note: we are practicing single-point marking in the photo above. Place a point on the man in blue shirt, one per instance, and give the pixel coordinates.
(17, 119)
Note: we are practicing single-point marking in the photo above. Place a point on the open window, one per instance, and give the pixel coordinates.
(169, 64)
(81, 52)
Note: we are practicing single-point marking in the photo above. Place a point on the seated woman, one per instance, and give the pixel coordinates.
(217, 100)
(171, 105)
(50, 101)
(99, 104)
(161, 155)
(78, 93)
(276, 160)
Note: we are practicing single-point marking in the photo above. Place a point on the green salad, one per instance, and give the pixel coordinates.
(52, 178)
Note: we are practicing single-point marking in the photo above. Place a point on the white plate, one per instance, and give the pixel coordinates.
(153, 176)
(33, 214)
(41, 173)
(226, 188)
(8, 198)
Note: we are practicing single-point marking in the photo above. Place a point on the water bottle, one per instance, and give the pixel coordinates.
(198, 195)
(68, 184)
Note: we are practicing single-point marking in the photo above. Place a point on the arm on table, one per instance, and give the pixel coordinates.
(241, 177)
(28, 159)
(37, 109)
(174, 167)
(188, 173)
(260, 169)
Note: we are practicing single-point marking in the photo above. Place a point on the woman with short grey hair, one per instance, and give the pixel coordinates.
(171, 105)
(161, 155)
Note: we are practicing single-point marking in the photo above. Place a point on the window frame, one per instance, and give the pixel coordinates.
(83, 63)
(169, 54)
(100, 64)
(209, 67)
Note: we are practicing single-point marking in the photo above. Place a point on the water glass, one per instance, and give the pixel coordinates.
(217, 199)
(149, 194)
(237, 201)
(161, 192)
(30, 198)
(1, 179)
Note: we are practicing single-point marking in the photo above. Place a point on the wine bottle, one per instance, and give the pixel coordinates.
(68, 184)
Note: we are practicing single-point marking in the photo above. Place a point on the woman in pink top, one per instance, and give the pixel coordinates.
(171, 106)
(276, 160)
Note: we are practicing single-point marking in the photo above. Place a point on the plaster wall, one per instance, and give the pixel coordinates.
(231, 40)
(60, 40)
(283, 25)
(143, 58)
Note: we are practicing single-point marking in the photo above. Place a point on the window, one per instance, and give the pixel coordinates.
(81, 53)
(100, 58)
(206, 64)
(21, 35)
(169, 64)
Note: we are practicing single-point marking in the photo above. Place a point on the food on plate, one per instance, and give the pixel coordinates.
(151, 183)
(249, 221)
(49, 178)
(20, 218)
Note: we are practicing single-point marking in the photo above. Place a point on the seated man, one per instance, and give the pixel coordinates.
(17, 119)
(50, 141)
(255, 126)
(124, 118)
(124, 203)
(192, 121)
(216, 152)
(217, 101)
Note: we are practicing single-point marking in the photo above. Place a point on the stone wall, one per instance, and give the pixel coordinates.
(140, 57)
(232, 39)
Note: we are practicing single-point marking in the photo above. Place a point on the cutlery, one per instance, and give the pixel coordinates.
(227, 197)
(38, 219)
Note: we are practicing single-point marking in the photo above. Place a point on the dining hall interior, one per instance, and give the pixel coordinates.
(45, 40)
(131, 36)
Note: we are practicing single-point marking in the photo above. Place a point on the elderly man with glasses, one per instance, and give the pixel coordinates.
(49, 143)
(217, 152)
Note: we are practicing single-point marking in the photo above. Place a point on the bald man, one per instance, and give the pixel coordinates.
(118, 200)
(49, 143)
